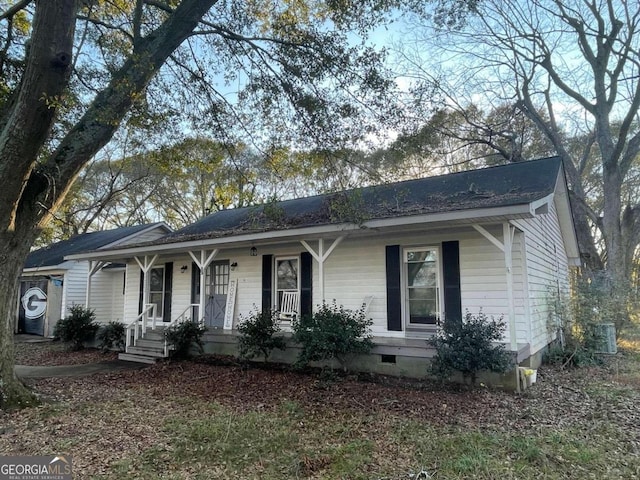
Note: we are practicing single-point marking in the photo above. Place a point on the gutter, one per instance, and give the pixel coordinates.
(485, 214)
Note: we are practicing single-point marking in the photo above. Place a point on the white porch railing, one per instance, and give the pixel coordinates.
(139, 324)
(185, 316)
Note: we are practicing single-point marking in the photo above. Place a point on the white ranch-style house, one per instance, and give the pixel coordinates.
(498, 240)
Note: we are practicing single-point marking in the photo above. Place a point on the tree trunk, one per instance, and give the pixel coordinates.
(14, 247)
(612, 228)
(33, 191)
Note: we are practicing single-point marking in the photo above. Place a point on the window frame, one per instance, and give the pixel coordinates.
(276, 290)
(160, 309)
(404, 276)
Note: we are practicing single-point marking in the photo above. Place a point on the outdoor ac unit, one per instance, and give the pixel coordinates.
(606, 338)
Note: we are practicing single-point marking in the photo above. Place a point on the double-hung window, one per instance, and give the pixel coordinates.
(287, 277)
(422, 286)
(156, 289)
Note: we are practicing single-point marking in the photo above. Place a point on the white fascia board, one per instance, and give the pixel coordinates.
(536, 204)
(565, 218)
(214, 242)
(517, 211)
(48, 269)
(34, 272)
(476, 214)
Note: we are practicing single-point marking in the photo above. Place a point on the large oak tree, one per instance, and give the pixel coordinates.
(73, 72)
(571, 67)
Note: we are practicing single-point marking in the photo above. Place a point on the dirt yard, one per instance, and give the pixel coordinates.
(210, 418)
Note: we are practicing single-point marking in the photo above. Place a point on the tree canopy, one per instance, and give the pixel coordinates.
(570, 68)
(75, 72)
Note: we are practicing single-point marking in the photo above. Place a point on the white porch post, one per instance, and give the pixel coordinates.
(202, 263)
(526, 297)
(94, 267)
(506, 246)
(508, 235)
(320, 256)
(145, 265)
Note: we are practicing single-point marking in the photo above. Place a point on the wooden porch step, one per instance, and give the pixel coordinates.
(149, 343)
(127, 357)
(148, 351)
(157, 335)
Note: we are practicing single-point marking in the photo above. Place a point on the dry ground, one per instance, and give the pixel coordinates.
(55, 353)
(206, 419)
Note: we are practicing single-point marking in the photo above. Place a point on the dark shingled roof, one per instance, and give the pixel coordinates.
(501, 186)
(54, 254)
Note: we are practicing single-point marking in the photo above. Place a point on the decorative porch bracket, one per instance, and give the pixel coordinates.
(320, 256)
(94, 267)
(506, 246)
(202, 263)
(145, 265)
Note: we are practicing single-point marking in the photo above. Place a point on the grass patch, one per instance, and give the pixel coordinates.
(460, 454)
(278, 443)
(285, 442)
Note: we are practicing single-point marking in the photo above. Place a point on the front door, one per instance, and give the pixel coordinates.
(216, 288)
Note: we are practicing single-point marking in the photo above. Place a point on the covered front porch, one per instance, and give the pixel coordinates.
(216, 282)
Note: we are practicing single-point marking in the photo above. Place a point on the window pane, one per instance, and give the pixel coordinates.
(422, 274)
(156, 279)
(287, 274)
(422, 294)
(219, 273)
(421, 256)
(422, 286)
(157, 299)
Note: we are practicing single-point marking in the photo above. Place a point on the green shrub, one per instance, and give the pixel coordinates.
(572, 354)
(573, 320)
(468, 347)
(332, 333)
(183, 336)
(111, 335)
(258, 335)
(77, 328)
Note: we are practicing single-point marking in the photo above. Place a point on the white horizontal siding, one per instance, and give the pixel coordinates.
(483, 278)
(548, 272)
(356, 269)
(106, 297)
(75, 286)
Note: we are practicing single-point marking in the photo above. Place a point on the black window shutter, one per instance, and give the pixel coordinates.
(195, 283)
(394, 307)
(168, 284)
(451, 274)
(140, 296)
(306, 283)
(267, 281)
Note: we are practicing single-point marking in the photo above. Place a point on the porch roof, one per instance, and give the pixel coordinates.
(53, 255)
(495, 194)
